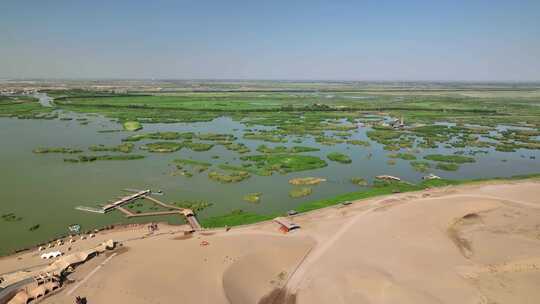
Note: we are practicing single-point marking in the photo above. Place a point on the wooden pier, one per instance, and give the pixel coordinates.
(188, 214)
(89, 209)
(124, 200)
(193, 222)
(162, 204)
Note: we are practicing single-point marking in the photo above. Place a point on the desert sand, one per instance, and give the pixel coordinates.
(478, 243)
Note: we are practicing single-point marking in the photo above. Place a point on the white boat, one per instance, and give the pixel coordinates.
(76, 228)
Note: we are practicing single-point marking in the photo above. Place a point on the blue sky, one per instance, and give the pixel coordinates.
(334, 40)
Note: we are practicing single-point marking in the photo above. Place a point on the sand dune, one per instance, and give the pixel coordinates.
(416, 252)
(267, 270)
(470, 244)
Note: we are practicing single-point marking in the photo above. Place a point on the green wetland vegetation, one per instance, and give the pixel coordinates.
(238, 157)
(92, 158)
(253, 198)
(339, 157)
(123, 147)
(300, 192)
(56, 150)
(132, 126)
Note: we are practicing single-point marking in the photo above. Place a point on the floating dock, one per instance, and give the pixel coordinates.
(89, 209)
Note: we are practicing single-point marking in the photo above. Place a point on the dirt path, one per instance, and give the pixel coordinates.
(295, 280)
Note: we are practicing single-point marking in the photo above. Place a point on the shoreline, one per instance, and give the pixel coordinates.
(330, 203)
(471, 235)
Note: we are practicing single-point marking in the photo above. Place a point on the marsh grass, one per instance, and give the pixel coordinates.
(226, 178)
(253, 198)
(163, 147)
(458, 159)
(300, 192)
(61, 150)
(339, 157)
(124, 148)
(285, 163)
(92, 158)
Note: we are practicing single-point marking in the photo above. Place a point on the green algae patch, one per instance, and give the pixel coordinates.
(124, 148)
(285, 163)
(162, 147)
(339, 157)
(253, 198)
(458, 159)
(300, 192)
(61, 150)
(132, 126)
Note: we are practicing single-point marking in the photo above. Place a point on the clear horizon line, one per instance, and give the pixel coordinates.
(266, 79)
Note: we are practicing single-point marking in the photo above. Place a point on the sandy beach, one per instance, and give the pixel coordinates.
(478, 243)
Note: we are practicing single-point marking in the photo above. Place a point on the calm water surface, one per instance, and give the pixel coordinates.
(44, 190)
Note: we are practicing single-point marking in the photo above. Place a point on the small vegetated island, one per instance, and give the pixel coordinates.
(92, 158)
(290, 138)
(300, 192)
(285, 163)
(62, 150)
(132, 126)
(339, 157)
(306, 181)
(123, 147)
(254, 198)
(162, 147)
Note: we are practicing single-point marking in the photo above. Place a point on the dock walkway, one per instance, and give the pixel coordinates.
(188, 214)
(124, 200)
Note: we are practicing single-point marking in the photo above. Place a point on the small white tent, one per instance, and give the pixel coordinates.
(52, 254)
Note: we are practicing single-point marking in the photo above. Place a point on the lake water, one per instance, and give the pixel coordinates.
(44, 190)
